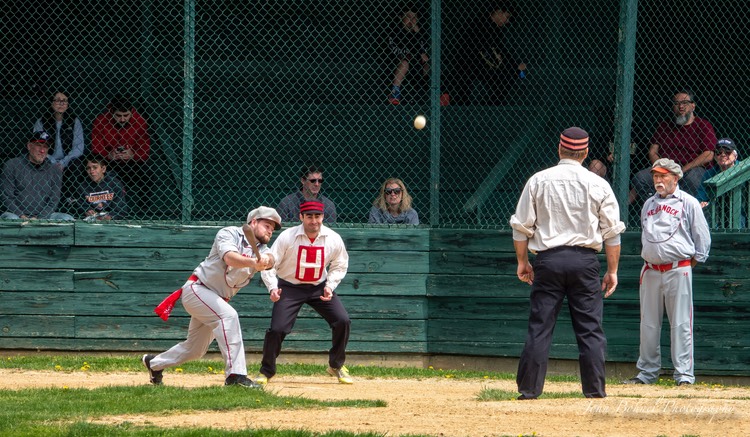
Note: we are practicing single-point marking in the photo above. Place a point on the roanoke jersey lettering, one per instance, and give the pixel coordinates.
(310, 263)
(664, 209)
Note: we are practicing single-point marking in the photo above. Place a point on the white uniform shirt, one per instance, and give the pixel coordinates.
(301, 261)
(674, 229)
(567, 205)
(215, 274)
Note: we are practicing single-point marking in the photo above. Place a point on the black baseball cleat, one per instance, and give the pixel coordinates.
(526, 398)
(241, 380)
(684, 383)
(633, 381)
(154, 375)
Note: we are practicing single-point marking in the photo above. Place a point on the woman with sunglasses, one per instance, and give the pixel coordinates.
(393, 205)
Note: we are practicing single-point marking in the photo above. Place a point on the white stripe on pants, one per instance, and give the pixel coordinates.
(671, 290)
(212, 317)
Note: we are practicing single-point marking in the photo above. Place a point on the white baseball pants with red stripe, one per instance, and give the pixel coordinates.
(212, 318)
(671, 291)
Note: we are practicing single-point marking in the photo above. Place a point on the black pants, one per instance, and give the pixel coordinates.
(284, 315)
(571, 272)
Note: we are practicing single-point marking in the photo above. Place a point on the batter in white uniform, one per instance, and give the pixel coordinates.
(228, 267)
(675, 238)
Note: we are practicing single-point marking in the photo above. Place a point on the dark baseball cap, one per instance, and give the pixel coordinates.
(39, 137)
(726, 143)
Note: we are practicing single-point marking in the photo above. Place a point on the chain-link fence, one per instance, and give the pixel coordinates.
(238, 99)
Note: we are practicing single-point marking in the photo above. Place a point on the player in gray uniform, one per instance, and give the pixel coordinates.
(228, 267)
(675, 238)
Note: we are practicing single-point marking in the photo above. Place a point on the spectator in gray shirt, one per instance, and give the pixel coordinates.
(393, 204)
(31, 184)
(311, 178)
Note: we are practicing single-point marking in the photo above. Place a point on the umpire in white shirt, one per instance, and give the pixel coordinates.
(565, 214)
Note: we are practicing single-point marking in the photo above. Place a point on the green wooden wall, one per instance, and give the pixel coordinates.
(92, 287)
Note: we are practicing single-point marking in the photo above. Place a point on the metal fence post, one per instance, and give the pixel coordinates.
(435, 113)
(624, 102)
(188, 111)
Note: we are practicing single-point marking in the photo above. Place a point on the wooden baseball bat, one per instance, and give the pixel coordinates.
(250, 235)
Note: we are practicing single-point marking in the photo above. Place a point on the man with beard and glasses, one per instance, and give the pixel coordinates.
(674, 238)
(687, 139)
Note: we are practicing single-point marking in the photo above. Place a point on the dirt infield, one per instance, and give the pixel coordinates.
(448, 407)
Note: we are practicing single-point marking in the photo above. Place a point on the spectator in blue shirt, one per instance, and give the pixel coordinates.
(726, 156)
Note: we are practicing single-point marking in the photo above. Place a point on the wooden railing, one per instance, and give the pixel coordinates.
(728, 191)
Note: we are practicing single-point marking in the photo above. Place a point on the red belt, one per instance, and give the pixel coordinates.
(667, 267)
(197, 280)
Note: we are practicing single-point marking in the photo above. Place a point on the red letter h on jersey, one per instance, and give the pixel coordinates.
(310, 262)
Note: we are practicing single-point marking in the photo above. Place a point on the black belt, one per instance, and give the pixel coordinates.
(572, 248)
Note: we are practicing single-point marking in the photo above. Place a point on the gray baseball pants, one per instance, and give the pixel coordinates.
(671, 291)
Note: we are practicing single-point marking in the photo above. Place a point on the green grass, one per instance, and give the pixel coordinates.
(66, 412)
(124, 363)
(50, 411)
(493, 394)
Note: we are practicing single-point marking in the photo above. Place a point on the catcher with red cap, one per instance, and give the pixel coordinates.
(310, 262)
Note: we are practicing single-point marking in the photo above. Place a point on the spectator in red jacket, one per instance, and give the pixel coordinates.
(121, 136)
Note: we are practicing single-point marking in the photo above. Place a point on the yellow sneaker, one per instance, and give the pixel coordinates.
(342, 374)
(261, 379)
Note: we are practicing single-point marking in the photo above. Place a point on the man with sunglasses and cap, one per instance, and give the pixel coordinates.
(675, 237)
(311, 178)
(566, 215)
(725, 156)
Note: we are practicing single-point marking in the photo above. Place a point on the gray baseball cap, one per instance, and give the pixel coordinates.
(266, 213)
(665, 165)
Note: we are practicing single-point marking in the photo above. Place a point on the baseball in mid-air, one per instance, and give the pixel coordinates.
(420, 122)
